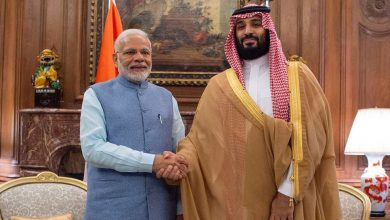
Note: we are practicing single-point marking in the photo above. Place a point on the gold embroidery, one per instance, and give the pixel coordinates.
(296, 120)
(244, 97)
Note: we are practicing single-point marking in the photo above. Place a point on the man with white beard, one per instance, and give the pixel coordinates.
(126, 126)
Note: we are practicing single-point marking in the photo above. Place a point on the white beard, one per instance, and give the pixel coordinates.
(136, 77)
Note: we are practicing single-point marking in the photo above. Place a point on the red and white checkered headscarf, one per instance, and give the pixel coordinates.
(277, 62)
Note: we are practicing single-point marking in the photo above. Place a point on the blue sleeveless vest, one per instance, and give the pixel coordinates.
(140, 117)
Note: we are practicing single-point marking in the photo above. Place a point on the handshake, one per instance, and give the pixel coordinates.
(170, 166)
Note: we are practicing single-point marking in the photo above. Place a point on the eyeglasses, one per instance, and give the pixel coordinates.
(133, 52)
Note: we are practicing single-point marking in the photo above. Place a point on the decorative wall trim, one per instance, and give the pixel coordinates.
(180, 79)
(364, 33)
(92, 31)
(376, 11)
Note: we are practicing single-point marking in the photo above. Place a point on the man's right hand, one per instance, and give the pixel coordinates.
(281, 209)
(170, 166)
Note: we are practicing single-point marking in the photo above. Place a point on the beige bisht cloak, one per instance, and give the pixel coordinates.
(238, 156)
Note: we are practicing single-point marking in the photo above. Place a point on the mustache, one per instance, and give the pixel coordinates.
(249, 36)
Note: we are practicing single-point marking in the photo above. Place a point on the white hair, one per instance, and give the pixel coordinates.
(129, 32)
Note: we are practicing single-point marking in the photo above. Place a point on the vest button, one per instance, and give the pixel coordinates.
(147, 130)
(140, 93)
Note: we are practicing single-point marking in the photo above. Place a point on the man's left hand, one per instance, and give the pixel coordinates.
(280, 208)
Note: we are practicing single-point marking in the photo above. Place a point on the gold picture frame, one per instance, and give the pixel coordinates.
(187, 36)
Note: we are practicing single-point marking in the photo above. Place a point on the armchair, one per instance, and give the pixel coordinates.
(355, 205)
(43, 196)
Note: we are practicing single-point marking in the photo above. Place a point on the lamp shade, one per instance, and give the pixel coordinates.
(370, 132)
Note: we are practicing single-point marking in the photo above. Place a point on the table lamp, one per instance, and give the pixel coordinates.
(370, 136)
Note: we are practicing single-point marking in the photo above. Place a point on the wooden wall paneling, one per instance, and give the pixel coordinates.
(374, 76)
(352, 83)
(333, 78)
(367, 55)
(75, 72)
(275, 14)
(56, 25)
(84, 25)
(8, 166)
(349, 64)
(53, 23)
(290, 24)
(311, 29)
(55, 31)
(2, 31)
(347, 91)
(32, 38)
(2, 34)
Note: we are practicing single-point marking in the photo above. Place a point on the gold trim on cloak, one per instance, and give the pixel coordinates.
(244, 97)
(296, 120)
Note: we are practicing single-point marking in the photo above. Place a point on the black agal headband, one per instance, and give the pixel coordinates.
(250, 9)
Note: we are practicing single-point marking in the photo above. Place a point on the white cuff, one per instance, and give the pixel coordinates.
(147, 161)
(286, 186)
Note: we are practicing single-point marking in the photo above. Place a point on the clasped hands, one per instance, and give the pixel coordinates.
(170, 166)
